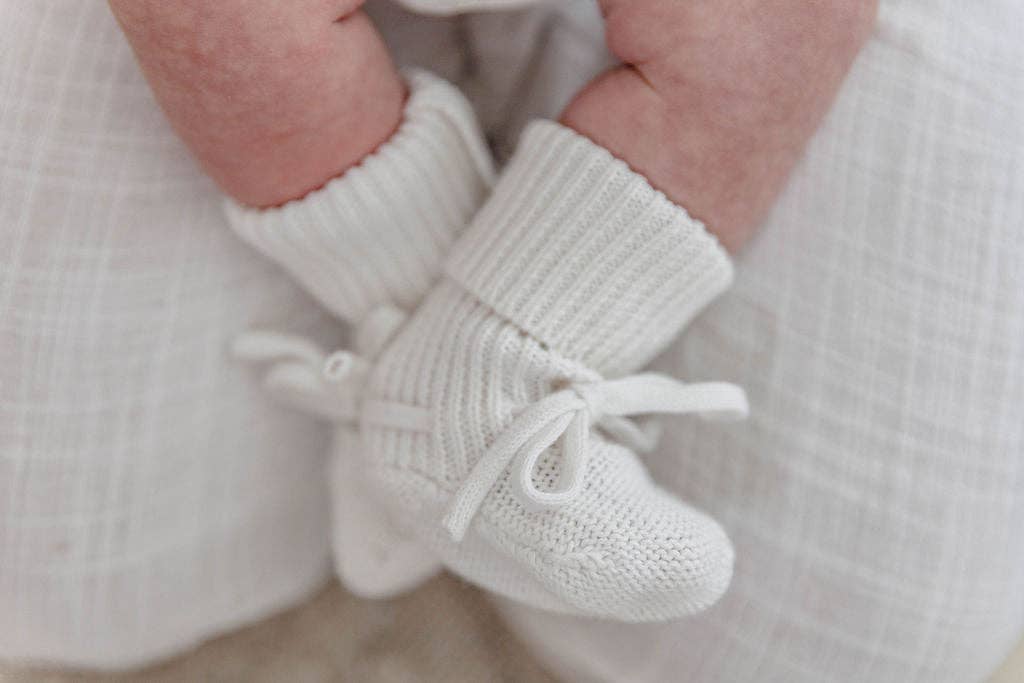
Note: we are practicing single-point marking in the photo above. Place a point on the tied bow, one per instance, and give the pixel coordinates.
(568, 415)
(331, 386)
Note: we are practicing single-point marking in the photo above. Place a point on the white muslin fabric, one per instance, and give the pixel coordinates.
(876, 493)
(151, 495)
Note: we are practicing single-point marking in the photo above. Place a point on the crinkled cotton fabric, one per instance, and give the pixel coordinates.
(151, 495)
(875, 494)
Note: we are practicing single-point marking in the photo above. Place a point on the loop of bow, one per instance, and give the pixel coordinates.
(326, 385)
(568, 415)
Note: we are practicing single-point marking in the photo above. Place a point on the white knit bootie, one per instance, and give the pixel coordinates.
(368, 245)
(491, 425)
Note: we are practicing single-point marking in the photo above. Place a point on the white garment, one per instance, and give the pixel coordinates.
(446, 7)
(150, 495)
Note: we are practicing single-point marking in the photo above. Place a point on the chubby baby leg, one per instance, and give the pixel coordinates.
(274, 99)
(716, 100)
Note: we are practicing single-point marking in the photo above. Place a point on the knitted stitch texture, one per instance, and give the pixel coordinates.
(366, 245)
(574, 270)
(378, 233)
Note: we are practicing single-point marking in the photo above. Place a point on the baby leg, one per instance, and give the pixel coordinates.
(716, 100)
(273, 99)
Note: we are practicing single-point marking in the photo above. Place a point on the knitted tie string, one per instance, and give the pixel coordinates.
(568, 415)
(302, 374)
(331, 386)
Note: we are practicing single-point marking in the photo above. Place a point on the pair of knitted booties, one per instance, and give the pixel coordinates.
(484, 417)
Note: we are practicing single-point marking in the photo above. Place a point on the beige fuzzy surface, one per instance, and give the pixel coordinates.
(445, 631)
(1012, 670)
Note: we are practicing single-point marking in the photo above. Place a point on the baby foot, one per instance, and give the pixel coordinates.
(368, 245)
(490, 426)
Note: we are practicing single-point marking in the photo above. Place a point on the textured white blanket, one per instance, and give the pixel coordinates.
(150, 496)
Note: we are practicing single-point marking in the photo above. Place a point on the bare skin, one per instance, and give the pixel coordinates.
(718, 98)
(273, 98)
(714, 104)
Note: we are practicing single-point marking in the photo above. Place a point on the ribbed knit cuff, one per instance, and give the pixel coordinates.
(583, 254)
(379, 232)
